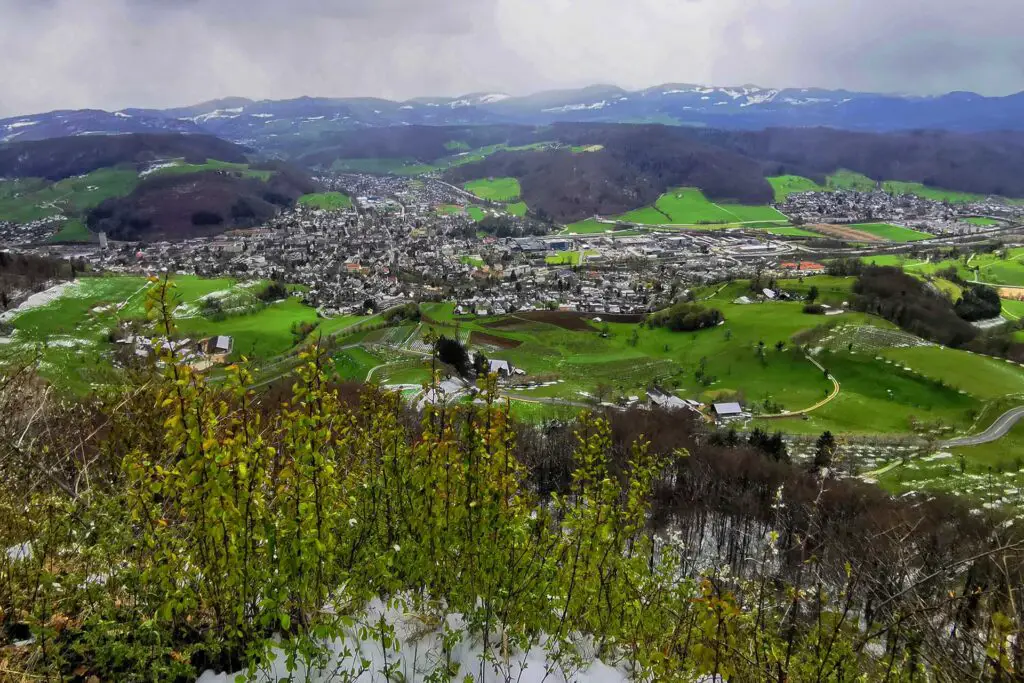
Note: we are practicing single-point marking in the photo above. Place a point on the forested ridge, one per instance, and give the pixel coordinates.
(59, 158)
(639, 162)
(181, 525)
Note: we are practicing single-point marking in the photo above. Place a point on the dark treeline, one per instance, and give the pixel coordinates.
(985, 163)
(890, 293)
(637, 164)
(902, 299)
(25, 273)
(60, 158)
(197, 204)
(685, 317)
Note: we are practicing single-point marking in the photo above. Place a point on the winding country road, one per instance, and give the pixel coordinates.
(998, 430)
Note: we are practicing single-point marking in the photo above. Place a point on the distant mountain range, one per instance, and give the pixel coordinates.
(266, 124)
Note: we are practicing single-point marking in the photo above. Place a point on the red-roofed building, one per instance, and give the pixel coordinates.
(804, 267)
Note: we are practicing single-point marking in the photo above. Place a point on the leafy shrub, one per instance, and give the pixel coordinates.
(979, 302)
(686, 317)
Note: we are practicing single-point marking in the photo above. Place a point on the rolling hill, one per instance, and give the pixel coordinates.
(183, 205)
(266, 123)
(60, 158)
(142, 186)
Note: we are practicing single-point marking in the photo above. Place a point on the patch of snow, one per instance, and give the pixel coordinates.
(263, 116)
(122, 115)
(21, 124)
(232, 113)
(491, 98)
(156, 167)
(576, 107)
(761, 97)
(22, 551)
(407, 106)
(419, 651)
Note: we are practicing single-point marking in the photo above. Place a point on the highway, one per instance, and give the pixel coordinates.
(997, 431)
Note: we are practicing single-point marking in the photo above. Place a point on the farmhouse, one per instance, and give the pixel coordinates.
(728, 411)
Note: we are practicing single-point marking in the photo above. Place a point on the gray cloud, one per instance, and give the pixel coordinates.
(117, 53)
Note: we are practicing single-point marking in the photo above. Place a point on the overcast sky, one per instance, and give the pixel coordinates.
(157, 53)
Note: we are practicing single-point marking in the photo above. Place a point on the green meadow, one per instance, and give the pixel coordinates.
(787, 185)
(689, 206)
(990, 268)
(329, 201)
(893, 233)
(71, 334)
(495, 189)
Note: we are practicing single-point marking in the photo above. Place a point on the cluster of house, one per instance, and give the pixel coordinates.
(935, 217)
(211, 350)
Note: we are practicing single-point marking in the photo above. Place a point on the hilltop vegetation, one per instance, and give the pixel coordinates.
(237, 518)
(142, 186)
(178, 206)
(60, 158)
(630, 166)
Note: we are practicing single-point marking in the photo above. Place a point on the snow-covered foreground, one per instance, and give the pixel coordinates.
(420, 651)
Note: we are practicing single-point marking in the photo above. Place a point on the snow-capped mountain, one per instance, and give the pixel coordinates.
(266, 123)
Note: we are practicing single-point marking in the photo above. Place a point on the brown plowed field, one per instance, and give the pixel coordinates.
(484, 339)
(844, 232)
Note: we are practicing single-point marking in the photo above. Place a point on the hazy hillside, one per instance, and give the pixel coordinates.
(59, 158)
(269, 123)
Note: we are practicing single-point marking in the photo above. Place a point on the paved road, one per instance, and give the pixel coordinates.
(997, 431)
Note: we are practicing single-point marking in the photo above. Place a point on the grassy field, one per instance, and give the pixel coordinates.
(451, 209)
(180, 167)
(568, 258)
(885, 389)
(849, 180)
(786, 185)
(791, 232)
(383, 166)
(980, 220)
(329, 201)
(72, 332)
(355, 363)
(917, 189)
(990, 268)
(588, 227)
(989, 476)
(689, 206)
(495, 189)
(475, 212)
(893, 233)
(517, 208)
(22, 201)
(74, 230)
